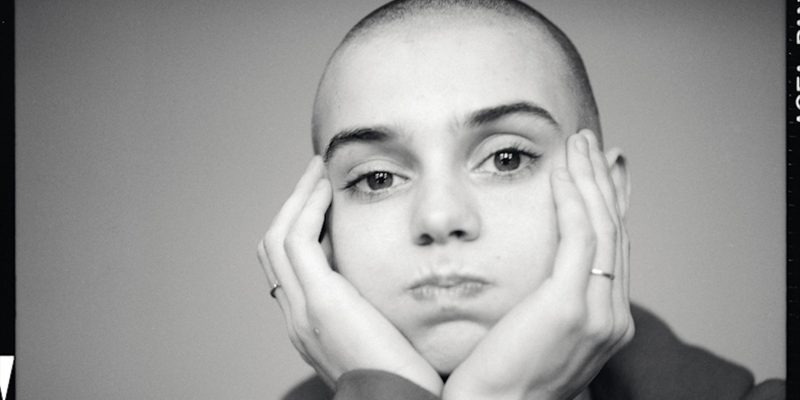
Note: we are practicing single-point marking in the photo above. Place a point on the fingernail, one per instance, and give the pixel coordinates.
(562, 174)
(582, 145)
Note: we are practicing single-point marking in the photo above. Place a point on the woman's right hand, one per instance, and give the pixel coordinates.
(333, 327)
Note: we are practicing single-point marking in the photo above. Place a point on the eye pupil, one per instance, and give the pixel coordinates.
(379, 180)
(506, 160)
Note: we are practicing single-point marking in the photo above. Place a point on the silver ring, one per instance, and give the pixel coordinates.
(602, 273)
(275, 287)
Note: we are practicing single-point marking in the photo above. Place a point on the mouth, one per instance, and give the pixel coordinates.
(448, 286)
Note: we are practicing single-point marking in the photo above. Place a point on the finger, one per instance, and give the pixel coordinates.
(580, 168)
(276, 236)
(619, 295)
(621, 188)
(600, 321)
(625, 247)
(622, 328)
(620, 308)
(302, 246)
(601, 172)
(620, 179)
(270, 273)
(576, 239)
(261, 253)
(623, 321)
(279, 296)
(291, 208)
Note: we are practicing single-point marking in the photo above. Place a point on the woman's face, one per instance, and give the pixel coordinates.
(443, 144)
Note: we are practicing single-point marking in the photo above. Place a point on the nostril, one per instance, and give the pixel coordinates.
(425, 239)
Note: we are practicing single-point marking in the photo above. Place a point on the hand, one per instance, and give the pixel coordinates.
(552, 344)
(331, 325)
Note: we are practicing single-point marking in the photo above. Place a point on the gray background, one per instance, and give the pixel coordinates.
(156, 139)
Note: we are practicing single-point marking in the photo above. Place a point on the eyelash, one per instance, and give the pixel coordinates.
(351, 186)
(516, 147)
(352, 190)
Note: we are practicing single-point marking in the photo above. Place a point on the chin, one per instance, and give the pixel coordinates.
(447, 344)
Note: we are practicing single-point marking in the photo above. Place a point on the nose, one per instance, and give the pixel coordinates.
(444, 211)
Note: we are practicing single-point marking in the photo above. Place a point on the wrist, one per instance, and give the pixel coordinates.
(463, 390)
(427, 379)
(460, 390)
(379, 384)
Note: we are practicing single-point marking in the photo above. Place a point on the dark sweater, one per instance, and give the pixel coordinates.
(654, 365)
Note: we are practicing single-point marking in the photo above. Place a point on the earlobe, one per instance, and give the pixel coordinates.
(618, 168)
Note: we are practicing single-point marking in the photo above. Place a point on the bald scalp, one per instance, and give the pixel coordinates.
(396, 12)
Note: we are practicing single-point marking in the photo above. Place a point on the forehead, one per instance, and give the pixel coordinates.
(430, 74)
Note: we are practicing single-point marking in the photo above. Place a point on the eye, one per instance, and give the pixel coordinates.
(507, 161)
(379, 180)
(375, 183)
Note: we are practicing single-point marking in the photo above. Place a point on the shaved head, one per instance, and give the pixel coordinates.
(441, 124)
(408, 15)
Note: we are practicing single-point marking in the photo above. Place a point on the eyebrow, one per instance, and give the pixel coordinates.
(491, 114)
(476, 118)
(356, 135)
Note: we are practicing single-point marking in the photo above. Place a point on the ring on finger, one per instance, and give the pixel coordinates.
(599, 272)
(275, 287)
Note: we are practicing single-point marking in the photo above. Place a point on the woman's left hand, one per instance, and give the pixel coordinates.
(552, 344)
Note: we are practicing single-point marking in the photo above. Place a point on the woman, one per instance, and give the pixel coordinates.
(475, 244)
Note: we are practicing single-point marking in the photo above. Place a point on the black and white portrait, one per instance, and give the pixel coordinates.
(451, 199)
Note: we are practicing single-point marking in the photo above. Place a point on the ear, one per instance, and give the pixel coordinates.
(620, 176)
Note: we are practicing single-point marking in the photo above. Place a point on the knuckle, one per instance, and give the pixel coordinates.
(300, 323)
(600, 330)
(297, 342)
(272, 240)
(619, 329)
(292, 242)
(305, 336)
(302, 329)
(630, 332)
(572, 317)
